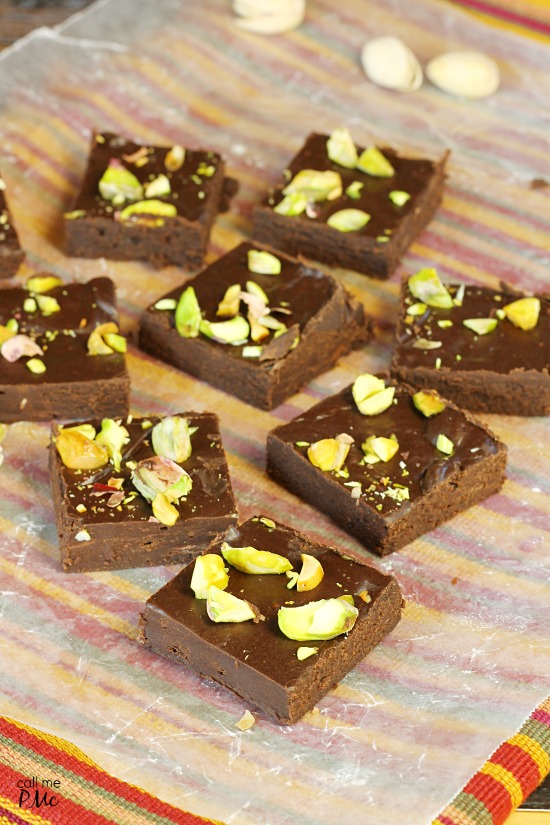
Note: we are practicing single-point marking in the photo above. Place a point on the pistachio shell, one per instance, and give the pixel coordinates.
(471, 75)
(388, 62)
(267, 17)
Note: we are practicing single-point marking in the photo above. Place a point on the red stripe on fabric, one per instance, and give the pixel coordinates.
(504, 14)
(96, 776)
(445, 820)
(11, 817)
(71, 811)
(520, 764)
(541, 716)
(492, 794)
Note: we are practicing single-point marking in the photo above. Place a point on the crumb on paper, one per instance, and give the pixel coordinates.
(246, 721)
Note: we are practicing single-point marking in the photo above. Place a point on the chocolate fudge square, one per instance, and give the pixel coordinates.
(103, 520)
(48, 333)
(149, 203)
(426, 470)
(256, 660)
(312, 319)
(473, 353)
(376, 247)
(11, 254)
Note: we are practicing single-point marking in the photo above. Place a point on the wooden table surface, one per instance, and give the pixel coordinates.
(19, 17)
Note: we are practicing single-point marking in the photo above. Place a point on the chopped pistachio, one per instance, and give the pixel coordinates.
(36, 366)
(246, 721)
(315, 186)
(96, 340)
(371, 395)
(46, 304)
(235, 331)
(444, 444)
(29, 305)
(251, 560)
(481, 326)
(324, 619)
(459, 296)
(113, 437)
(116, 342)
(427, 343)
(171, 439)
(353, 191)
(426, 286)
(303, 443)
(328, 454)
(5, 334)
(292, 579)
(118, 184)
(148, 207)
(382, 239)
(373, 162)
(445, 324)
(74, 214)
(384, 448)
(399, 198)
(267, 522)
(83, 535)
(365, 596)
(311, 574)
(174, 158)
(163, 510)
(208, 570)
(438, 363)
(305, 652)
(428, 403)
(166, 304)
(230, 303)
(225, 607)
(251, 352)
(255, 289)
(341, 149)
(12, 325)
(158, 187)
(263, 263)
(161, 475)
(42, 283)
(291, 205)
(523, 313)
(348, 220)
(188, 314)
(417, 309)
(85, 429)
(77, 452)
(81, 508)
(501, 315)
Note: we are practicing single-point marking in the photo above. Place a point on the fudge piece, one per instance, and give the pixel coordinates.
(255, 659)
(11, 254)
(140, 491)
(344, 215)
(299, 321)
(488, 350)
(54, 360)
(149, 203)
(392, 472)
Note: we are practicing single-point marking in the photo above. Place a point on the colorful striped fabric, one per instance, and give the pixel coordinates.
(402, 733)
(45, 780)
(514, 770)
(530, 17)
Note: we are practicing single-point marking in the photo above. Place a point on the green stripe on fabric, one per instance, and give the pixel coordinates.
(473, 807)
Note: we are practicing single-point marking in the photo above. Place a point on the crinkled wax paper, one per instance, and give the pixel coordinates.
(470, 659)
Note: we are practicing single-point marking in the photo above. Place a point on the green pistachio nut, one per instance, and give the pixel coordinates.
(208, 571)
(348, 220)
(159, 209)
(234, 332)
(161, 475)
(36, 366)
(43, 283)
(224, 607)
(444, 444)
(426, 286)
(398, 197)
(113, 437)
(250, 560)
(118, 184)
(46, 304)
(329, 454)
(230, 303)
(87, 430)
(78, 452)
(263, 263)
(523, 313)
(255, 289)
(188, 314)
(158, 187)
(116, 342)
(481, 326)
(353, 191)
(166, 304)
(321, 620)
(315, 186)
(417, 309)
(291, 205)
(305, 652)
(341, 149)
(428, 403)
(371, 394)
(164, 511)
(373, 162)
(171, 439)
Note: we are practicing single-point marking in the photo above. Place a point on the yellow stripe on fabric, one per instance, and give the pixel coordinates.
(507, 25)
(54, 741)
(23, 813)
(486, 216)
(535, 751)
(67, 598)
(506, 779)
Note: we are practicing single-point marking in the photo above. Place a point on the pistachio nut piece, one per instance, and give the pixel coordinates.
(372, 162)
(163, 510)
(154, 207)
(425, 285)
(341, 149)
(371, 395)
(85, 429)
(158, 187)
(481, 326)
(208, 570)
(113, 437)
(116, 342)
(428, 403)
(161, 475)
(348, 220)
(353, 191)
(230, 303)
(384, 448)
(171, 439)
(118, 184)
(225, 607)
(263, 263)
(291, 205)
(174, 158)
(315, 186)
(78, 452)
(46, 304)
(43, 283)
(311, 573)
(96, 340)
(250, 560)
(444, 444)
(324, 619)
(523, 313)
(235, 331)
(36, 366)
(188, 314)
(328, 454)
(305, 652)
(398, 197)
